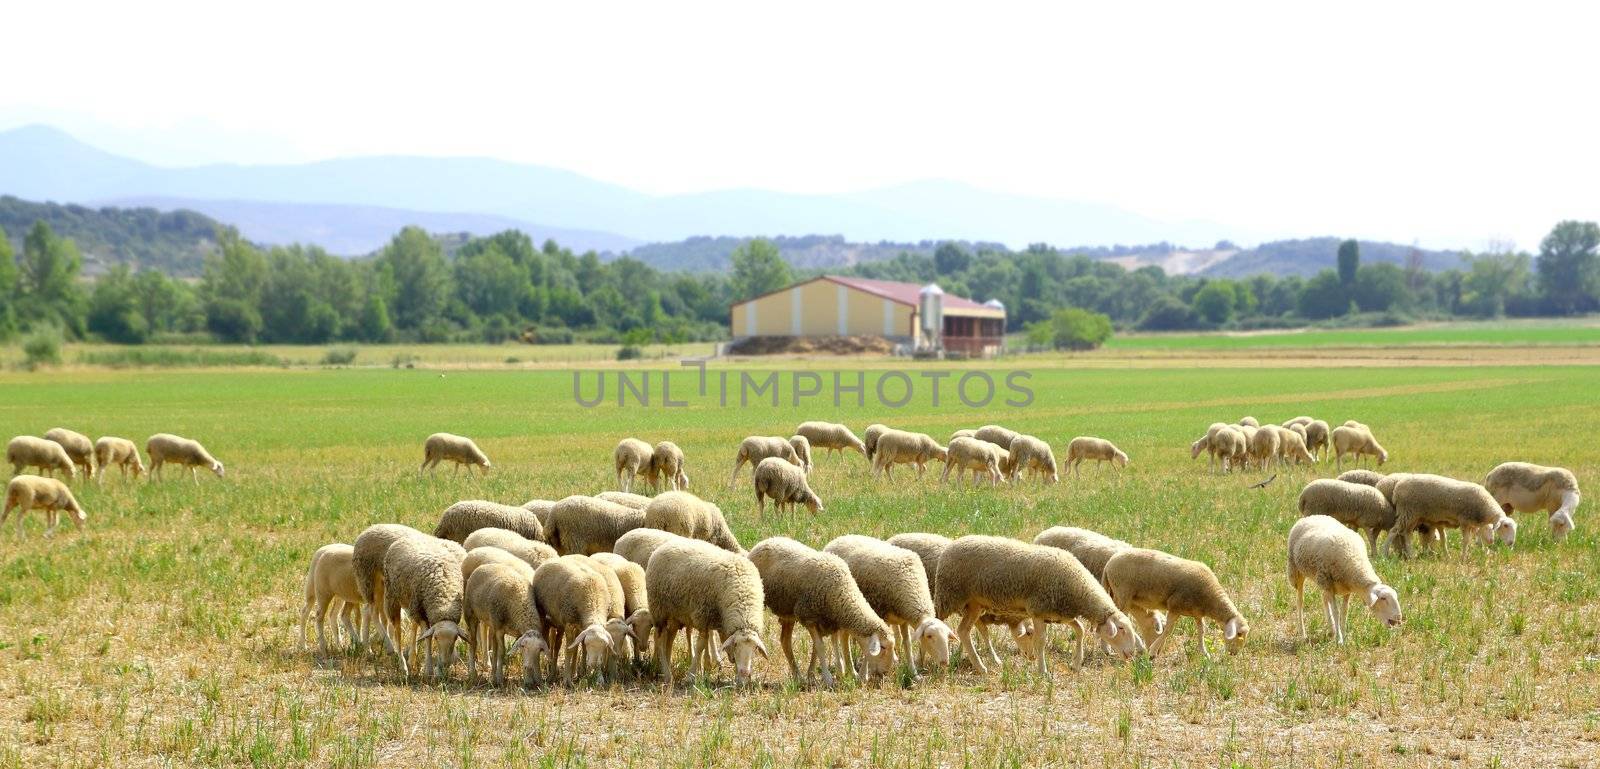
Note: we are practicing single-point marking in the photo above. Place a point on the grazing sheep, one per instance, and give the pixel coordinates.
(964, 433)
(641, 543)
(573, 597)
(802, 449)
(370, 548)
(1438, 502)
(1358, 425)
(28, 451)
(1363, 477)
(422, 576)
(467, 516)
(616, 613)
(331, 578)
(584, 525)
(815, 589)
(632, 457)
(497, 601)
(869, 439)
(1155, 581)
(1357, 505)
(121, 452)
(685, 514)
(1093, 549)
(666, 466)
(635, 600)
(929, 547)
(786, 485)
(831, 436)
(903, 448)
(1249, 422)
(756, 448)
(895, 584)
(541, 508)
(1302, 421)
(999, 436)
(635, 501)
(1033, 455)
(1336, 559)
(701, 587)
(1099, 449)
(979, 573)
(166, 447)
(1264, 446)
(965, 454)
(32, 492)
(1317, 436)
(1297, 429)
(1357, 442)
(78, 447)
(1233, 447)
(530, 551)
(1292, 446)
(1208, 444)
(483, 555)
(1524, 487)
(461, 450)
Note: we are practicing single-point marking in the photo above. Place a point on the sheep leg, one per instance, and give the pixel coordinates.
(697, 665)
(322, 614)
(1299, 601)
(786, 639)
(348, 618)
(987, 634)
(665, 635)
(844, 660)
(819, 653)
(1200, 635)
(904, 637)
(194, 474)
(1333, 618)
(968, 619)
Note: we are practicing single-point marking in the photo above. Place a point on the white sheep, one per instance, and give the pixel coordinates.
(1233, 447)
(530, 551)
(497, 601)
(965, 454)
(1438, 502)
(666, 466)
(786, 485)
(964, 433)
(1292, 446)
(541, 508)
(905, 448)
(638, 545)
(459, 449)
(330, 579)
(33, 492)
(1033, 455)
(636, 601)
(895, 585)
(1524, 487)
(1099, 449)
(184, 452)
(628, 499)
(616, 625)
(929, 548)
(869, 439)
(802, 449)
(685, 514)
(1356, 441)
(1335, 558)
(756, 448)
(574, 598)
(584, 525)
(999, 436)
(467, 516)
(1264, 446)
(979, 573)
(1302, 421)
(27, 451)
(123, 453)
(831, 436)
(1093, 549)
(700, 587)
(422, 577)
(1357, 505)
(1317, 437)
(815, 590)
(1248, 421)
(370, 548)
(78, 447)
(631, 458)
(1207, 443)
(1150, 580)
(483, 555)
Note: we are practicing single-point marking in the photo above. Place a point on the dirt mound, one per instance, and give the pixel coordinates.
(829, 345)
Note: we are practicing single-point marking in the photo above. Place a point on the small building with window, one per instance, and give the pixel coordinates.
(833, 305)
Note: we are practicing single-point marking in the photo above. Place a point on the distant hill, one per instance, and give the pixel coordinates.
(173, 242)
(1309, 256)
(807, 252)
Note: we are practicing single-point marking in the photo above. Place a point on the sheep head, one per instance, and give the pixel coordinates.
(1117, 631)
(1385, 605)
(443, 635)
(533, 646)
(596, 642)
(935, 638)
(641, 623)
(216, 467)
(1120, 458)
(1503, 530)
(877, 655)
(743, 646)
(1234, 633)
(812, 502)
(1560, 525)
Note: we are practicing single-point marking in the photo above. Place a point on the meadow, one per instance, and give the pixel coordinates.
(168, 633)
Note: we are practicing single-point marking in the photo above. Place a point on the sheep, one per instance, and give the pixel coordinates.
(638, 545)
(541, 508)
(964, 433)
(1208, 443)
(786, 485)
(33, 492)
(999, 436)
(1249, 421)
(631, 457)
(1302, 421)
(585, 525)
(1093, 549)
(467, 516)
(422, 576)
(123, 453)
(895, 584)
(331, 578)
(1317, 436)
(831, 436)
(802, 449)
(1033, 455)
(636, 601)
(928, 548)
(459, 449)
(78, 447)
(1264, 445)
(756, 448)
(701, 587)
(1524, 487)
(1363, 477)
(1299, 430)
(1440, 502)
(980, 573)
(616, 624)
(815, 589)
(666, 466)
(685, 514)
(1357, 505)
(900, 447)
(573, 597)
(1357, 442)
(1357, 425)
(1292, 446)
(370, 547)
(1335, 558)
(869, 439)
(483, 555)
(1152, 580)
(530, 551)
(166, 447)
(1233, 447)
(28, 451)
(972, 454)
(497, 601)
(635, 501)
(1099, 449)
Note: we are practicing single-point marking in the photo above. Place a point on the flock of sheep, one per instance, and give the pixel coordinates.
(71, 453)
(586, 579)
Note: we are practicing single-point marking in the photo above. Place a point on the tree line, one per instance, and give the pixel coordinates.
(503, 287)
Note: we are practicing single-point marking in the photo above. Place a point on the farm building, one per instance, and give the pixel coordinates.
(838, 306)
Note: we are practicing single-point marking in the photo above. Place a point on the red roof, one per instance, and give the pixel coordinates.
(904, 293)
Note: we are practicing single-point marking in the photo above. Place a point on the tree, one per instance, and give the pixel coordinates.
(1349, 262)
(1324, 297)
(1380, 287)
(1168, 313)
(375, 325)
(114, 308)
(951, 258)
(758, 269)
(8, 288)
(414, 264)
(1569, 267)
(231, 288)
(47, 276)
(1215, 301)
(1490, 280)
(1078, 329)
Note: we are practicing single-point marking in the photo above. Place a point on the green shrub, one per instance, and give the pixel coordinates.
(150, 356)
(339, 356)
(43, 346)
(1075, 328)
(629, 352)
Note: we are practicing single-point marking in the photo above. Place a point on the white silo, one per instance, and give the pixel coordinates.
(930, 304)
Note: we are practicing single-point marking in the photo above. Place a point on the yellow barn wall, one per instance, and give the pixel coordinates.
(819, 313)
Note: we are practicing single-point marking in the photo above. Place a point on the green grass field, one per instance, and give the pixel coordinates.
(1502, 333)
(167, 634)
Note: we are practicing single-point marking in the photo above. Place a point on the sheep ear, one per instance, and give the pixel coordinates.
(1111, 628)
(426, 634)
(1230, 631)
(874, 647)
(761, 648)
(577, 639)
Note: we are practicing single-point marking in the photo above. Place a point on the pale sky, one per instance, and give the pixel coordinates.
(1444, 123)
